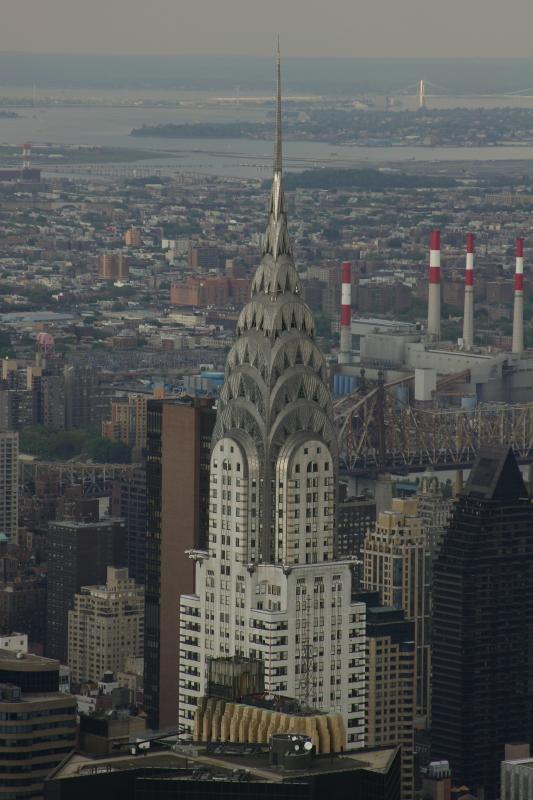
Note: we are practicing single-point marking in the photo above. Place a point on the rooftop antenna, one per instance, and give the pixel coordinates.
(278, 154)
(276, 240)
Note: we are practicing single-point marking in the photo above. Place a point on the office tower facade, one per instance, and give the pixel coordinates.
(482, 636)
(85, 402)
(435, 509)
(9, 450)
(267, 586)
(79, 554)
(390, 665)
(38, 727)
(105, 627)
(128, 421)
(177, 492)
(23, 606)
(128, 501)
(396, 564)
(16, 409)
(517, 778)
(356, 517)
(51, 401)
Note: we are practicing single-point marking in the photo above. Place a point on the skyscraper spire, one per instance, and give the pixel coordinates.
(278, 153)
(276, 241)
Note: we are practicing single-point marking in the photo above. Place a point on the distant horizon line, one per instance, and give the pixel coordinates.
(286, 57)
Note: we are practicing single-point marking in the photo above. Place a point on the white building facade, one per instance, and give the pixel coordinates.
(517, 779)
(268, 586)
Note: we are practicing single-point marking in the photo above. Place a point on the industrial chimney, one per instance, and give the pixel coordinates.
(434, 287)
(518, 315)
(468, 318)
(345, 353)
(26, 156)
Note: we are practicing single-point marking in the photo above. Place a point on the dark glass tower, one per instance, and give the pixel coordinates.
(483, 624)
(129, 503)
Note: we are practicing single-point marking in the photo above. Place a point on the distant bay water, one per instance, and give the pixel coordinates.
(240, 158)
(315, 75)
(114, 84)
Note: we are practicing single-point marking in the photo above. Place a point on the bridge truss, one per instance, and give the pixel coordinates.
(94, 478)
(380, 432)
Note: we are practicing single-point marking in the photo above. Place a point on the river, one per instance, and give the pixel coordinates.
(111, 125)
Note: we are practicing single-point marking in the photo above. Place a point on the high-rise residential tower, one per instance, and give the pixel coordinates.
(396, 564)
(481, 625)
(128, 501)
(79, 554)
(177, 501)
(267, 586)
(390, 683)
(9, 450)
(105, 627)
(434, 508)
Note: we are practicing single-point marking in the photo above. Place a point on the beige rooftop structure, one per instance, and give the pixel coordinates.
(219, 721)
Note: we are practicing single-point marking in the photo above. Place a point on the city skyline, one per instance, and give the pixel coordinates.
(267, 487)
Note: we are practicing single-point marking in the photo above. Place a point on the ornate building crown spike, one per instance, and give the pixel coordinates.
(276, 240)
(278, 155)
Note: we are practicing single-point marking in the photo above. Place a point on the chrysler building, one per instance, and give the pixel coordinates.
(268, 587)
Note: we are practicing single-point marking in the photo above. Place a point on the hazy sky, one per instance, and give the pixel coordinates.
(414, 28)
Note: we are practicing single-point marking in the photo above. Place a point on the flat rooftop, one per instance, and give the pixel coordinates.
(520, 762)
(42, 699)
(26, 662)
(256, 764)
(82, 525)
(377, 761)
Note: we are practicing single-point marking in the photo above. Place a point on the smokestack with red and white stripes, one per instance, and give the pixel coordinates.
(434, 286)
(518, 315)
(468, 317)
(345, 353)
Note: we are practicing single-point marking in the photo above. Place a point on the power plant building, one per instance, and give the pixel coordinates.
(399, 349)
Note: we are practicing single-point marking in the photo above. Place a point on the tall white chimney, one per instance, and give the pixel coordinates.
(518, 315)
(468, 317)
(434, 286)
(345, 353)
